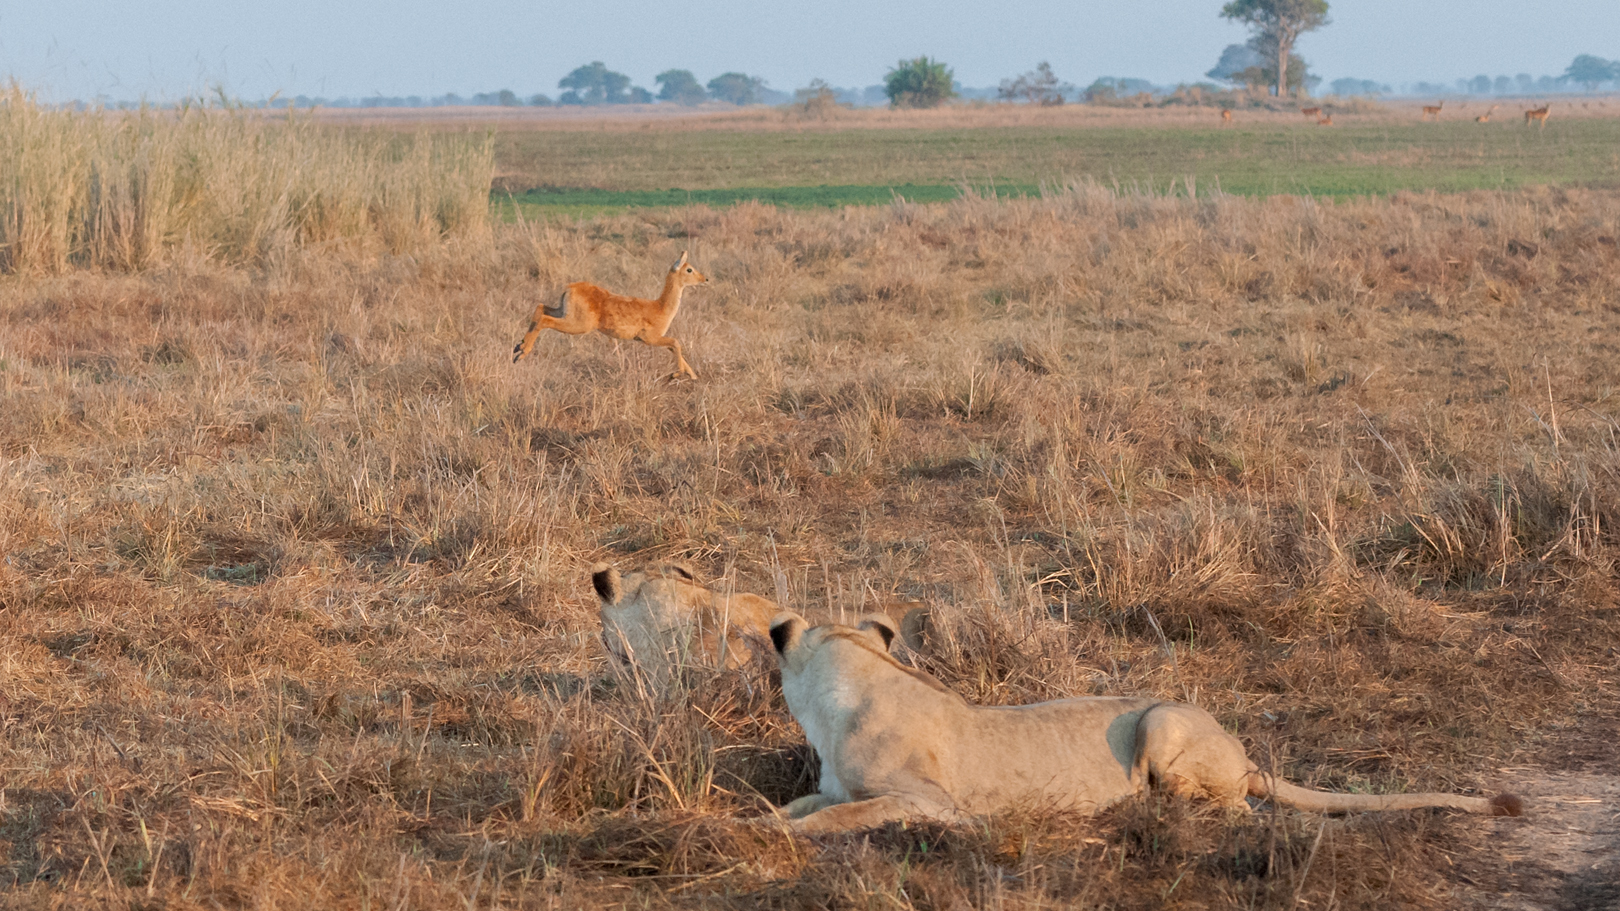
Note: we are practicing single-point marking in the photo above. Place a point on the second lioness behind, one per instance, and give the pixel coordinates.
(659, 620)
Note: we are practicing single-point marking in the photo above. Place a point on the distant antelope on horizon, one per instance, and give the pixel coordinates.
(1433, 109)
(1486, 117)
(1537, 114)
(584, 307)
(1311, 112)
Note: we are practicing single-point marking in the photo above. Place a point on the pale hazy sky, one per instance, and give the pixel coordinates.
(165, 49)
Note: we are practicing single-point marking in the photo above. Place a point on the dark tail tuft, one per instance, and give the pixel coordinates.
(559, 310)
(1507, 805)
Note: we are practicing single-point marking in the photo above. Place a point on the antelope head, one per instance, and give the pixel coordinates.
(684, 274)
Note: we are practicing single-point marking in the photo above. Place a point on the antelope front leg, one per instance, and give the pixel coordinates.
(681, 366)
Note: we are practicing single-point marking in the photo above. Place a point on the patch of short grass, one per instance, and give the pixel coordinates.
(599, 171)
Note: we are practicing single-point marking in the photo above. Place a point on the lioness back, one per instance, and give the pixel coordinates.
(1072, 754)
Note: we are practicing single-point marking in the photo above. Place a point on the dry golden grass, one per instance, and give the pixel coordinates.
(293, 601)
(137, 190)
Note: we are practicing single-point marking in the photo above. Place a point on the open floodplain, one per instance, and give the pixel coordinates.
(294, 596)
(556, 165)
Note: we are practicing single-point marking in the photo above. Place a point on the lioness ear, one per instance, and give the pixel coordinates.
(786, 629)
(605, 579)
(882, 625)
(914, 628)
(684, 571)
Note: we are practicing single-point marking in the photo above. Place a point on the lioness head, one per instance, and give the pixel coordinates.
(849, 654)
(658, 619)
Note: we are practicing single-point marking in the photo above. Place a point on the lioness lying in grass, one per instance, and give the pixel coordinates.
(896, 744)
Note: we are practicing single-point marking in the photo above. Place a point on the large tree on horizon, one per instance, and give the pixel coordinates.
(681, 87)
(1592, 71)
(919, 83)
(594, 83)
(1277, 24)
(737, 88)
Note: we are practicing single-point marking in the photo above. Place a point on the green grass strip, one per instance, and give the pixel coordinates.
(586, 199)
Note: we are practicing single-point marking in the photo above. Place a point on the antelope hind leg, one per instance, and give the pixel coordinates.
(539, 323)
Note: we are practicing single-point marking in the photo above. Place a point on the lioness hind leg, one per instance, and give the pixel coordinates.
(1185, 751)
(869, 814)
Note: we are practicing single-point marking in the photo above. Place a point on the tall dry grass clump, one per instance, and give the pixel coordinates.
(294, 607)
(128, 190)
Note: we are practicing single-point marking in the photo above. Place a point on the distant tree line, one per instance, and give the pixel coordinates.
(1266, 63)
(1585, 71)
(594, 84)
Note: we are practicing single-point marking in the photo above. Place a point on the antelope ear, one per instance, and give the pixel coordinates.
(605, 579)
(786, 628)
(880, 624)
(679, 262)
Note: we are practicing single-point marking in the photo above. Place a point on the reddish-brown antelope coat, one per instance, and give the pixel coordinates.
(1537, 114)
(1432, 109)
(587, 308)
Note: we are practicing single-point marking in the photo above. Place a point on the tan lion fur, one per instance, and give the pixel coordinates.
(660, 618)
(895, 743)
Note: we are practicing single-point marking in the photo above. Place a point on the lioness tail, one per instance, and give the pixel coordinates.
(1262, 785)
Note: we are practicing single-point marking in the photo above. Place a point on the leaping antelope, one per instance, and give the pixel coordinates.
(1486, 117)
(1537, 114)
(584, 307)
(1432, 109)
(1226, 115)
(1311, 112)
